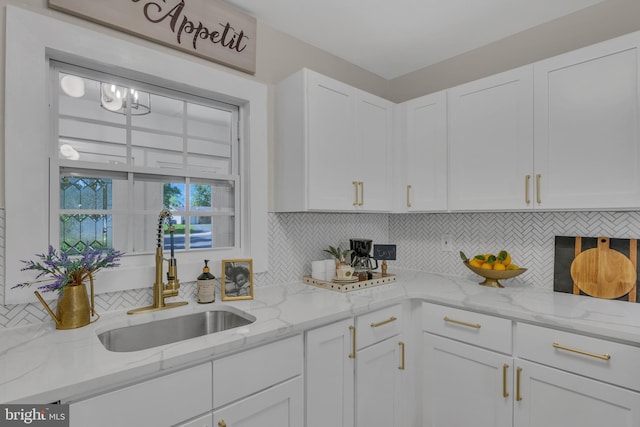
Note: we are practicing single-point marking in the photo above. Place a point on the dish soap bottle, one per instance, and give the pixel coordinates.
(206, 285)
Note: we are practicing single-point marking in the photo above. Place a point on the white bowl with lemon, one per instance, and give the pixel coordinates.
(493, 267)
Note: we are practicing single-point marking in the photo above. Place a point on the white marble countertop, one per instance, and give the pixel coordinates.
(39, 364)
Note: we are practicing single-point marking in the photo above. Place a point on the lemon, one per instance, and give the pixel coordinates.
(480, 257)
(504, 257)
(498, 266)
(513, 267)
(487, 266)
(475, 263)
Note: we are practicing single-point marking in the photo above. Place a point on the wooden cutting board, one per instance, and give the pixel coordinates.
(603, 272)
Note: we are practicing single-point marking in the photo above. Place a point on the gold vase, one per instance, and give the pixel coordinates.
(73, 309)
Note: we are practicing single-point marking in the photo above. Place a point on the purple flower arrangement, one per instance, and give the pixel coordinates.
(66, 270)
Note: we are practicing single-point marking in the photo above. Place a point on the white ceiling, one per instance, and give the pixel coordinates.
(394, 37)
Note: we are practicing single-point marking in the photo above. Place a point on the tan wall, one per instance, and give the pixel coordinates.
(591, 25)
(279, 55)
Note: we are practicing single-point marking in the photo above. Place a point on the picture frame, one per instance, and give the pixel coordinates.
(237, 279)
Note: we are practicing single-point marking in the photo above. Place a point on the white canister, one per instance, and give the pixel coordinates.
(330, 269)
(318, 270)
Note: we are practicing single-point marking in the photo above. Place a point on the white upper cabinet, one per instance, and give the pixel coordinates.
(587, 153)
(423, 161)
(332, 146)
(491, 142)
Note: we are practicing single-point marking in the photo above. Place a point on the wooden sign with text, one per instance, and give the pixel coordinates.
(207, 28)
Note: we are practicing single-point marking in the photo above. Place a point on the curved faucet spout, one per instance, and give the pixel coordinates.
(160, 290)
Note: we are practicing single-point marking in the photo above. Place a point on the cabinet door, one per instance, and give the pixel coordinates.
(380, 385)
(280, 406)
(586, 126)
(549, 397)
(329, 376)
(203, 421)
(491, 142)
(165, 400)
(426, 153)
(373, 156)
(465, 385)
(331, 148)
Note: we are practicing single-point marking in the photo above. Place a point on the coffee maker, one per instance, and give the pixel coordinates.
(361, 260)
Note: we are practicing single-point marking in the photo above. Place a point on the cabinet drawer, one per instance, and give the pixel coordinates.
(250, 371)
(604, 360)
(378, 325)
(164, 400)
(474, 328)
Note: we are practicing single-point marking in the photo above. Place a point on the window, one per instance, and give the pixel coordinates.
(125, 151)
(32, 169)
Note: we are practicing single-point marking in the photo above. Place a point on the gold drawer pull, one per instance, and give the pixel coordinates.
(221, 423)
(526, 189)
(355, 185)
(361, 194)
(408, 196)
(384, 322)
(458, 322)
(505, 393)
(585, 353)
(352, 329)
(538, 200)
(401, 367)
(518, 373)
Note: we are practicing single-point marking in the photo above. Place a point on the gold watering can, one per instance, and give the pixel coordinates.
(73, 310)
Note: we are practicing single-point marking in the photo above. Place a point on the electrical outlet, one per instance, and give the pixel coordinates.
(446, 243)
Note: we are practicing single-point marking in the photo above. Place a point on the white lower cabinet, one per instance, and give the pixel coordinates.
(279, 406)
(466, 380)
(162, 401)
(329, 376)
(574, 380)
(550, 397)
(550, 378)
(380, 384)
(262, 386)
(465, 385)
(354, 371)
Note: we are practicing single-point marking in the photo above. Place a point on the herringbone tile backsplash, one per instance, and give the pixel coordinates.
(296, 239)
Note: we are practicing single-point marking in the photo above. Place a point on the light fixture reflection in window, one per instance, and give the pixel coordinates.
(114, 98)
(68, 152)
(72, 86)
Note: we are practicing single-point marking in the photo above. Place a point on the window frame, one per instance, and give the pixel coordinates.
(129, 172)
(31, 39)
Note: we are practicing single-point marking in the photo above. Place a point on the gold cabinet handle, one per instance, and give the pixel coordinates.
(505, 393)
(458, 322)
(352, 329)
(401, 367)
(584, 353)
(355, 185)
(221, 423)
(518, 373)
(538, 176)
(361, 194)
(526, 189)
(408, 196)
(384, 322)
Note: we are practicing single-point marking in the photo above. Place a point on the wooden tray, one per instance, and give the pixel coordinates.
(355, 286)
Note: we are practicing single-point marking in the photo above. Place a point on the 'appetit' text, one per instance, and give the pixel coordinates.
(180, 24)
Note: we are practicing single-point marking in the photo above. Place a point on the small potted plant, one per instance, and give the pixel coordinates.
(342, 257)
